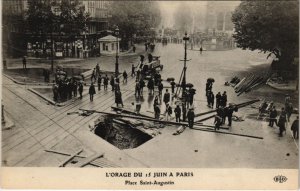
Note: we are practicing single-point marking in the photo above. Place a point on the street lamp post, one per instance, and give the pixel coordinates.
(185, 38)
(117, 57)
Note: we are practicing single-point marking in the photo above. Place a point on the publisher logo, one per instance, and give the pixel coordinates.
(280, 179)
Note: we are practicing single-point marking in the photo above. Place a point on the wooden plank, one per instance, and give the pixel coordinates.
(70, 158)
(238, 105)
(88, 160)
(227, 133)
(63, 153)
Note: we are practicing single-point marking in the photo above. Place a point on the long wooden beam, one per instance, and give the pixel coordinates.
(238, 105)
(227, 133)
(129, 111)
(171, 123)
(62, 153)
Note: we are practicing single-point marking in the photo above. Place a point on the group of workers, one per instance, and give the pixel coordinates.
(282, 118)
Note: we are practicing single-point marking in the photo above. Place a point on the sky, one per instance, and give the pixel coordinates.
(168, 9)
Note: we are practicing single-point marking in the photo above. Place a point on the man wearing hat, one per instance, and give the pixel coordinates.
(177, 112)
(191, 116)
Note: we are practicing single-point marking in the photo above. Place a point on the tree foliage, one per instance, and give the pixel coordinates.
(269, 26)
(134, 17)
(47, 16)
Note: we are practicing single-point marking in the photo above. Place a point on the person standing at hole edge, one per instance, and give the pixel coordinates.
(24, 62)
(118, 98)
(168, 112)
(201, 49)
(92, 91)
(156, 112)
(295, 128)
(80, 89)
(273, 116)
(218, 99)
(191, 116)
(177, 112)
(166, 97)
(223, 100)
(160, 89)
(281, 122)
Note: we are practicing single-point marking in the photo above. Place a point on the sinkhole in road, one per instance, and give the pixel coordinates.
(121, 135)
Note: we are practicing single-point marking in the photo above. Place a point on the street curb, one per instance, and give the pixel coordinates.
(24, 83)
(45, 98)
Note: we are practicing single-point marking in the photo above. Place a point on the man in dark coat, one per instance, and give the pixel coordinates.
(217, 122)
(192, 92)
(75, 88)
(142, 85)
(166, 97)
(156, 111)
(137, 90)
(273, 115)
(105, 82)
(212, 99)
(218, 99)
(229, 113)
(289, 110)
(177, 112)
(118, 98)
(173, 84)
(160, 89)
(97, 70)
(138, 75)
(150, 86)
(295, 128)
(93, 76)
(112, 83)
(191, 116)
(221, 113)
(224, 99)
(281, 122)
(92, 91)
(80, 90)
(125, 76)
(132, 70)
(99, 82)
(150, 58)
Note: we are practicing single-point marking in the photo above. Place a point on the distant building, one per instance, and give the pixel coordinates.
(218, 16)
(13, 36)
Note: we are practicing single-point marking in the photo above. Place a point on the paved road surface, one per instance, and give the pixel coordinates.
(40, 126)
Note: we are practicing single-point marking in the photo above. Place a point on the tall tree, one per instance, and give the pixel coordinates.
(134, 17)
(269, 26)
(50, 16)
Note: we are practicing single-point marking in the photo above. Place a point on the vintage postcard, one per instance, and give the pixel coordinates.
(150, 94)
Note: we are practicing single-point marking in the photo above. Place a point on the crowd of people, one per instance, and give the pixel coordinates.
(64, 87)
(281, 118)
